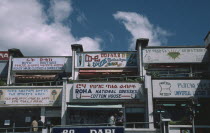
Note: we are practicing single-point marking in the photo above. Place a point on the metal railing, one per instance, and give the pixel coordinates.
(158, 74)
(28, 129)
(45, 83)
(113, 79)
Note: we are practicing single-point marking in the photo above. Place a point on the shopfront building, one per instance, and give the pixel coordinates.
(180, 85)
(20, 105)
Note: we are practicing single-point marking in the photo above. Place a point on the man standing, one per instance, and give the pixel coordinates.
(34, 125)
(40, 124)
(120, 119)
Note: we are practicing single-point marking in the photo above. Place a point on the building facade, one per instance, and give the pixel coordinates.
(154, 89)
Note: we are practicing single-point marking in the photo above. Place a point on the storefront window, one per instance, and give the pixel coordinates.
(135, 118)
(88, 116)
(178, 113)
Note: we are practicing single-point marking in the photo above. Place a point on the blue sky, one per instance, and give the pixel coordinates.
(49, 27)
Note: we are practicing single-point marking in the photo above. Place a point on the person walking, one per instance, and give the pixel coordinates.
(111, 119)
(120, 119)
(34, 125)
(40, 124)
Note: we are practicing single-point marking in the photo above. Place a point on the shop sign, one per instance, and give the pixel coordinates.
(181, 88)
(107, 60)
(88, 130)
(4, 55)
(30, 96)
(107, 90)
(28, 64)
(175, 55)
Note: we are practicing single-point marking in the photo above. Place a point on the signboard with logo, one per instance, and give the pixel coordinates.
(107, 90)
(107, 60)
(181, 88)
(175, 55)
(30, 96)
(4, 55)
(88, 130)
(22, 64)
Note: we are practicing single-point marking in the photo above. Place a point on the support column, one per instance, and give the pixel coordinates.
(9, 71)
(76, 48)
(148, 86)
(64, 106)
(140, 44)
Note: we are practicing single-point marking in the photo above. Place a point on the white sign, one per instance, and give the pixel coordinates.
(107, 90)
(38, 63)
(107, 60)
(27, 119)
(180, 88)
(175, 55)
(30, 96)
(6, 122)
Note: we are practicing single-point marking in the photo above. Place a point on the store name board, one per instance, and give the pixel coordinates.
(107, 90)
(4, 55)
(38, 64)
(175, 55)
(107, 60)
(181, 88)
(29, 96)
(88, 130)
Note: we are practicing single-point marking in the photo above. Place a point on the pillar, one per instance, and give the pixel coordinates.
(64, 106)
(148, 86)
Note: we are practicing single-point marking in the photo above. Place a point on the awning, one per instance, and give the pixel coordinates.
(119, 106)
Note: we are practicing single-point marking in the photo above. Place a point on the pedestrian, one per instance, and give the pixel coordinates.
(40, 124)
(111, 119)
(34, 125)
(119, 119)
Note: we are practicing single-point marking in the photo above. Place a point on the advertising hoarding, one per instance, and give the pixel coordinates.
(22, 64)
(30, 96)
(107, 90)
(175, 55)
(181, 88)
(4, 55)
(88, 130)
(107, 60)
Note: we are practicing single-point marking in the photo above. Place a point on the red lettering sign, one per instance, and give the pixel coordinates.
(4, 55)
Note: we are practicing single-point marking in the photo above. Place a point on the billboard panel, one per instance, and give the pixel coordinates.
(29, 96)
(4, 55)
(27, 64)
(107, 60)
(107, 90)
(180, 88)
(88, 129)
(175, 55)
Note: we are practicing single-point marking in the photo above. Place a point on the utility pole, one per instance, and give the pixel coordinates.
(192, 105)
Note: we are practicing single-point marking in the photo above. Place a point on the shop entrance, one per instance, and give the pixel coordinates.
(93, 115)
(18, 117)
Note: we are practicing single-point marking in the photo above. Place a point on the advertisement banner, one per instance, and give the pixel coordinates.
(107, 90)
(107, 60)
(30, 96)
(181, 88)
(4, 55)
(175, 55)
(88, 130)
(38, 64)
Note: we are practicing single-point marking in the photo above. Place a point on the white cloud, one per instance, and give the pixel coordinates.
(23, 26)
(140, 27)
(60, 9)
(81, 18)
(91, 45)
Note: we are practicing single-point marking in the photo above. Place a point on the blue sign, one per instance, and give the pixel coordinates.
(88, 130)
